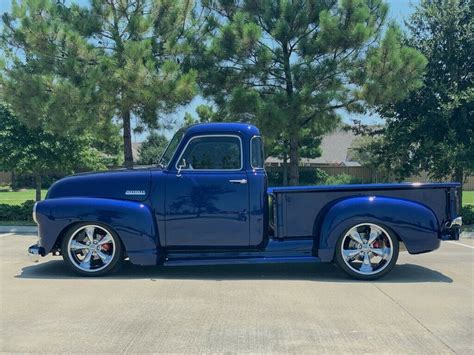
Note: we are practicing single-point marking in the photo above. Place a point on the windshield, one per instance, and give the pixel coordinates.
(171, 148)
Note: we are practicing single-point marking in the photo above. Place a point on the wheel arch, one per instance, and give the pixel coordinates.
(132, 221)
(66, 229)
(412, 223)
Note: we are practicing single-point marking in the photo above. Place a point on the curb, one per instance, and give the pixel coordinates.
(18, 229)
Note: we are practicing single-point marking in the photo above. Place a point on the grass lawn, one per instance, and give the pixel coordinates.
(468, 198)
(18, 197)
(17, 223)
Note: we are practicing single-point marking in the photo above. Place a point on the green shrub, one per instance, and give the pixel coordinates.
(312, 176)
(467, 213)
(5, 187)
(22, 212)
(308, 176)
(27, 181)
(343, 179)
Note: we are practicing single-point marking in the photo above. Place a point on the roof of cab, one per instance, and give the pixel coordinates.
(233, 127)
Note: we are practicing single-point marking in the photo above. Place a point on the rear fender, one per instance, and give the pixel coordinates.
(414, 224)
(132, 221)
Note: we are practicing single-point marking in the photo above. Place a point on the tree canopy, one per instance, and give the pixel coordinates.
(432, 129)
(35, 151)
(152, 148)
(288, 66)
(70, 67)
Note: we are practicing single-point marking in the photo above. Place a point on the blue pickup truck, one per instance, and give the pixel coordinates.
(208, 202)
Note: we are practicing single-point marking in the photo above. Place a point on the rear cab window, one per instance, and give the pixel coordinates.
(257, 159)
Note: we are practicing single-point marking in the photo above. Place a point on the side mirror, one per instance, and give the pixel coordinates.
(181, 165)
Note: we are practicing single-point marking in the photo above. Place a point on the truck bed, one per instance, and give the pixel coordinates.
(296, 208)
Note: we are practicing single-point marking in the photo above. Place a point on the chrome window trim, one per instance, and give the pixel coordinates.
(213, 135)
(251, 165)
(167, 146)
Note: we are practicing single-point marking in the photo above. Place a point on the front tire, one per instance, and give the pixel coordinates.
(92, 249)
(367, 251)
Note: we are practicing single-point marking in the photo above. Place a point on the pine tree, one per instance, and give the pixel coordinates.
(289, 66)
(432, 129)
(114, 59)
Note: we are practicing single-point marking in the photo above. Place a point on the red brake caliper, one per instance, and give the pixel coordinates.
(106, 246)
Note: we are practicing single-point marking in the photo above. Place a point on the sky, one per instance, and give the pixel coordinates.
(399, 11)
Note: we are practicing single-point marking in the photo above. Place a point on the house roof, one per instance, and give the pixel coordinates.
(136, 150)
(336, 150)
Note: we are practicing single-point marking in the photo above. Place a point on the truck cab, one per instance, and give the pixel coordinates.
(214, 187)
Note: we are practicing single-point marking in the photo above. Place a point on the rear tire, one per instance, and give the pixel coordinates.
(367, 251)
(92, 249)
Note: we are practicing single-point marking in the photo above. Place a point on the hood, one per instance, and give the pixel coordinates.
(131, 185)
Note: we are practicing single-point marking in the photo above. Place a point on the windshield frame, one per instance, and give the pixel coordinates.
(177, 138)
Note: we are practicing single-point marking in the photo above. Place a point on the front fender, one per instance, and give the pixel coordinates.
(415, 224)
(133, 222)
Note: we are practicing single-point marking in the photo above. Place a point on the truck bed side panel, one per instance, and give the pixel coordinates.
(300, 209)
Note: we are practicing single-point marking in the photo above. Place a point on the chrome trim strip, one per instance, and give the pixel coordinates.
(34, 252)
(167, 146)
(212, 135)
(240, 181)
(34, 212)
(455, 222)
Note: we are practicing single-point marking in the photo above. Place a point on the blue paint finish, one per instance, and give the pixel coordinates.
(242, 261)
(361, 187)
(133, 222)
(258, 205)
(157, 202)
(414, 224)
(200, 217)
(119, 184)
(204, 208)
(275, 252)
(274, 248)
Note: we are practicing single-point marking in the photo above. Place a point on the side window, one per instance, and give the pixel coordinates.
(212, 153)
(257, 159)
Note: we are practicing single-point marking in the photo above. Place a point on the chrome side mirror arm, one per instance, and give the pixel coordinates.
(180, 167)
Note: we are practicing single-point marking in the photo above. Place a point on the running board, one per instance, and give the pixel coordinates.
(235, 261)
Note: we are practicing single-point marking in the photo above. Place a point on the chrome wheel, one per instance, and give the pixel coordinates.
(91, 248)
(367, 249)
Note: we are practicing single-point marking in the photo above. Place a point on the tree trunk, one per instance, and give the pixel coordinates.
(294, 161)
(127, 140)
(459, 177)
(13, 182)
(38, 187)
(285, 170)
(294, 126)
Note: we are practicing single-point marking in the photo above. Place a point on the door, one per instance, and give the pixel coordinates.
(207, 197)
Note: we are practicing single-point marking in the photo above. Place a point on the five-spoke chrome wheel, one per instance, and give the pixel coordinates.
(91, 249)
(367, 251)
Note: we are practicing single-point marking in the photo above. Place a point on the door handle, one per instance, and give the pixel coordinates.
(241, 181)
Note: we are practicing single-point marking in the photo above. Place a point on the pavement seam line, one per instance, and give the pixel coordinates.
(416, 319)
(461, 244)
(133, 339)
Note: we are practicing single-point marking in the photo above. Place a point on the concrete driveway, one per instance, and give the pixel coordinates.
(426, 305)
